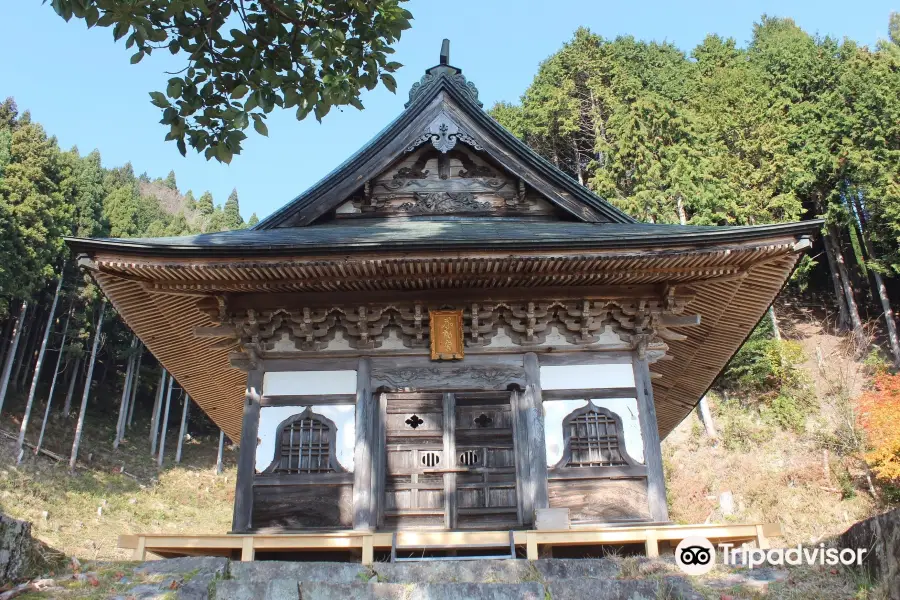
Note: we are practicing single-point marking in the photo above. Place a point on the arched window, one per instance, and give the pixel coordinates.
(306, 444)
(593, 438)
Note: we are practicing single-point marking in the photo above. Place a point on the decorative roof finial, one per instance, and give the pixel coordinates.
(445, 53)
(444, 70)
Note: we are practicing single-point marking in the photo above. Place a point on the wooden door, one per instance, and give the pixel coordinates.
(486, 481)
(449, 461)
(414, 495)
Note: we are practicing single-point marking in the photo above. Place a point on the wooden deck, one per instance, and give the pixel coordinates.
(365, 543)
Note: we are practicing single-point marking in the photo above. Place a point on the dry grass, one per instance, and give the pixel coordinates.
(779, 476)
(83, 515)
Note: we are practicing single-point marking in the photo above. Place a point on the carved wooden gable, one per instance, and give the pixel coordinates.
(445, 172)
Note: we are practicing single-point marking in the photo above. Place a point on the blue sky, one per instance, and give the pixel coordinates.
(81, 87)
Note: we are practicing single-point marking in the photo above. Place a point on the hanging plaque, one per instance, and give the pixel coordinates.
(446, 334)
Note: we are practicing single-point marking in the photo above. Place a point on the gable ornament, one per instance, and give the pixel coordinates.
(444, 133)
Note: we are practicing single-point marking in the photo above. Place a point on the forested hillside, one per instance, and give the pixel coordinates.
(47, 193)
(788, 126)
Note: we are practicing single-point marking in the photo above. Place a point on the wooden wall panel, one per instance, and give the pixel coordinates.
(601, 500)
(290, 507)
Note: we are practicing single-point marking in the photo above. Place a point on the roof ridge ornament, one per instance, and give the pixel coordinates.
(443, 133)
(444, 70)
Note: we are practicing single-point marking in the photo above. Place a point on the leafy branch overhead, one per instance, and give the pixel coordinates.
(245, 57)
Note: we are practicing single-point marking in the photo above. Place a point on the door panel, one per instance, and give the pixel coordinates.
(486, 488)
(449, 462)
(414, 494)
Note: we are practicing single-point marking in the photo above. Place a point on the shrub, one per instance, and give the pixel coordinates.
(767, 370)
(879, 416)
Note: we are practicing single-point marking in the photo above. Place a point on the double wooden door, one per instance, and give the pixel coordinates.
(448, 461)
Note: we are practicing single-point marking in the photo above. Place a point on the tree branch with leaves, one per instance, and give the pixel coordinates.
(246, 57)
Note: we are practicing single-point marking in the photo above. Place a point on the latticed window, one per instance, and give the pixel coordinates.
(593, 438)
(306, 445)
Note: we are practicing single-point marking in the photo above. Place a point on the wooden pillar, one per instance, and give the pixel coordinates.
(165, 424)
(181, 430)
(524, 490)
(537, 451)
(243, 490)
(449, 406)
(656, 483)
(363, 483)
(379, 460)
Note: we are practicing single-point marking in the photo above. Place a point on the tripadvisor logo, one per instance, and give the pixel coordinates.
(695, 555)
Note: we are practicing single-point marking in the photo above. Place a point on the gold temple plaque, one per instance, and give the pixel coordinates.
(446, 334)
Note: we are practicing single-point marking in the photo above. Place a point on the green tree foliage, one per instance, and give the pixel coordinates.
(205, 204)
(232, 212)
(253, 220)
(33, 210)
(170, 182)
(244, 59)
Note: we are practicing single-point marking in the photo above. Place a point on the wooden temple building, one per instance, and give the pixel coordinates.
(445, 334)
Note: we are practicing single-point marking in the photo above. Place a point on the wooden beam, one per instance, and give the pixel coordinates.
(243, 490)
(307, 400)
(628, 472)
(656, 483)
(598, 393)
(267, 301)
(362, 457)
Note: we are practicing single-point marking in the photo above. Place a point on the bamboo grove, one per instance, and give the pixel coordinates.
(787, 126)
(51, 356)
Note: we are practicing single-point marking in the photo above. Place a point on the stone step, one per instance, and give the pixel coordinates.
(553, 569)
(283, 589)
(275, 589)
(580, 588)
(575, 588)
(427, 591)
(463, 571)
(331, 572)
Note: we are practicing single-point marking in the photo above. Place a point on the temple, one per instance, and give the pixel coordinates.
(447, 333)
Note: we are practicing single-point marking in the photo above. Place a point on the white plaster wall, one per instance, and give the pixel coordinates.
(557, 410)
(309, 383)
(574, 377)
(343, 415)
